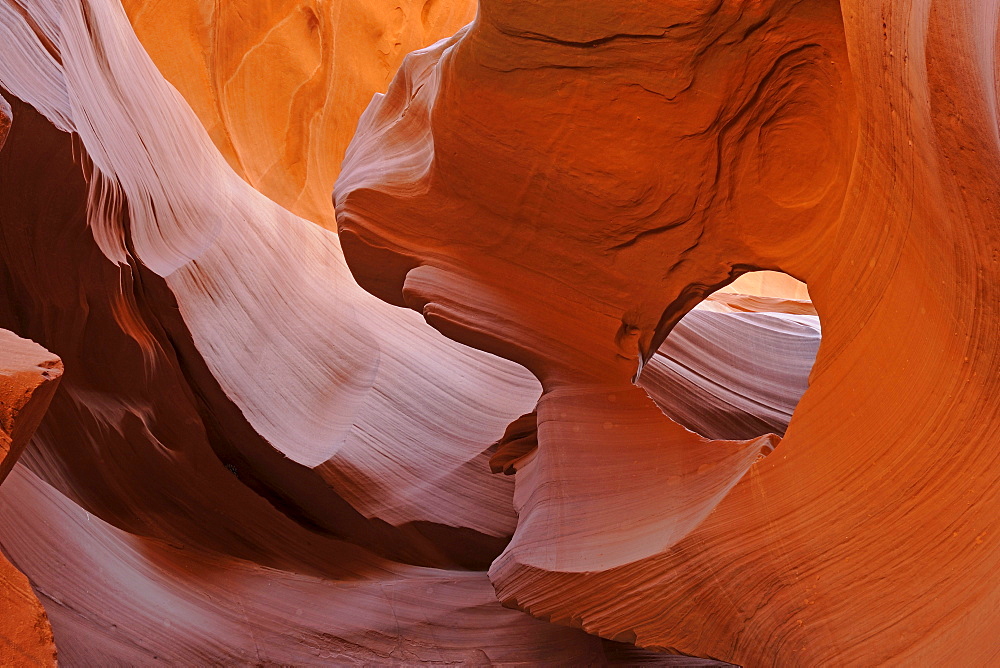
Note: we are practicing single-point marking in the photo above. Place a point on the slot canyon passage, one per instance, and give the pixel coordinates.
(387, 333)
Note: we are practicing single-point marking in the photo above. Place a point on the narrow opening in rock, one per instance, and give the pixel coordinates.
(736, 366)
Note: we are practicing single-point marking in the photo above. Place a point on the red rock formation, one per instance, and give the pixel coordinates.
(29, 375)
(558, 184)
(136, 436)
(249, 459)
(733, 375)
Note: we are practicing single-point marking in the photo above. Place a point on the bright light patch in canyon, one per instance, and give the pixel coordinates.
(736, 366)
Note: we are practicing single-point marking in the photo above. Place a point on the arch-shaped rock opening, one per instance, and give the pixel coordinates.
(736, 366)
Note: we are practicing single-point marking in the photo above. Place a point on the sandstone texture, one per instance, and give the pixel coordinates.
(280, 85)
(29, 375)
(249, 460)
(632, 333)
(559, 184)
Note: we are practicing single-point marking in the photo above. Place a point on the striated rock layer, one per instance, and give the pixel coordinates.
(280, 85)
(559, 183)
(148, 472)
(251, 460)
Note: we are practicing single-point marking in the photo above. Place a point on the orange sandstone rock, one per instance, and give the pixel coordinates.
(280, 85)
(29, 375)
(255, 462)
(298, 503)
(560, 183)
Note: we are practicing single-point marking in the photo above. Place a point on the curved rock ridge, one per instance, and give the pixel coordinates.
(125, 482)
(559, 185)
(166, 205)
(29, 375)
(735, 369)
(249, 460)
(279, 86)
(153, 601)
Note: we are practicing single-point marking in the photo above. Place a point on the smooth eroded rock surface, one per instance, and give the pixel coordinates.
(553, 389)
(280, 85)
(250, 459)
(560, 183)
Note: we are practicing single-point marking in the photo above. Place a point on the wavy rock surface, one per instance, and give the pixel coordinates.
(558, 184)
(168, 207)
(142, 434)
(249, 460)
(280, 85)
(733, 375)
(29, 375)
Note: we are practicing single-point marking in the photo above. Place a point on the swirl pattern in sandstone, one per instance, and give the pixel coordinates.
(280, 86)
(560, 182)
(249, 459)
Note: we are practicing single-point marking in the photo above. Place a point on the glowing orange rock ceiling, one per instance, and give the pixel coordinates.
(565, 450)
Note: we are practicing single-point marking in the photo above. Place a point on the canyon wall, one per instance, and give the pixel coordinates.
(580, 441)
(280, 86)
(249, 459)
(559, 184)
